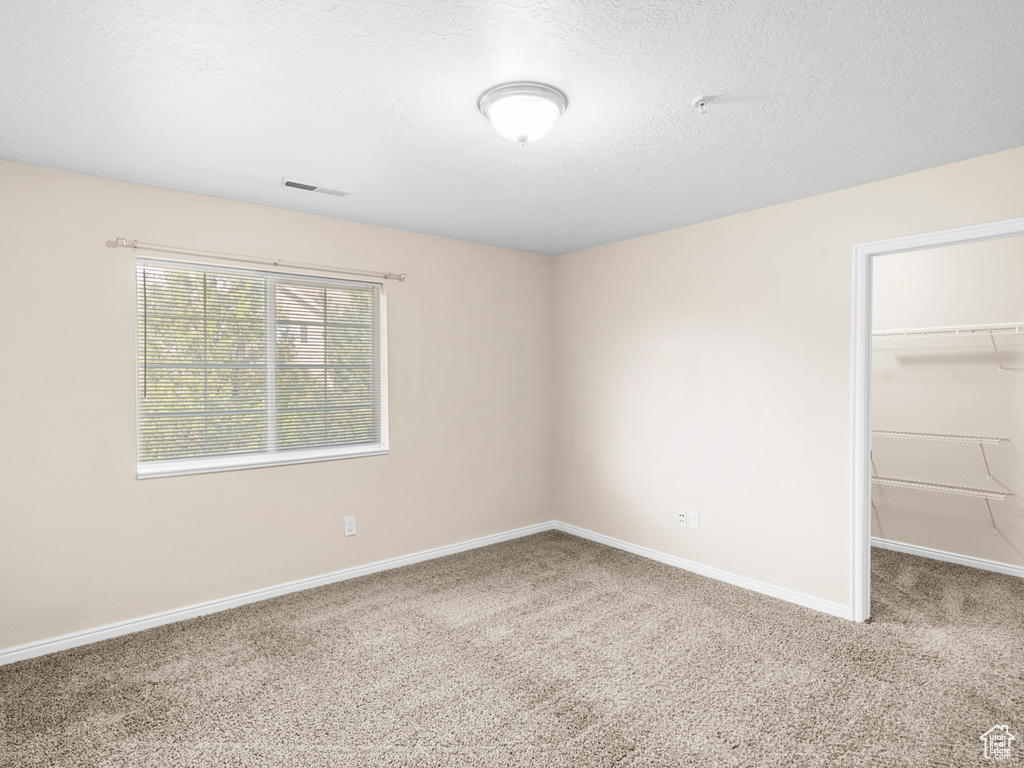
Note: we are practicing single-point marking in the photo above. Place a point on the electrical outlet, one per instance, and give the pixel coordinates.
(695, 520)
(350, 526)
(681, 517)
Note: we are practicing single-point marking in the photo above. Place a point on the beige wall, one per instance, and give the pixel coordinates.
(84, 543)
(949, 385)
(704, 368)
(708, 368)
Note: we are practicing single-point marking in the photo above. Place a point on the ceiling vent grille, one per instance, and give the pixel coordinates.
(306, 186)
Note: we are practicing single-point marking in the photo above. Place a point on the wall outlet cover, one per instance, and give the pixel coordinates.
(695, 520)
(681, 517)
(350, 526)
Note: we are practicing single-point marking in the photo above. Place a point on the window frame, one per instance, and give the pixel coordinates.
(230, 462)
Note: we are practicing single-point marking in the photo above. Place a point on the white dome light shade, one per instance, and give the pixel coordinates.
(522, 111)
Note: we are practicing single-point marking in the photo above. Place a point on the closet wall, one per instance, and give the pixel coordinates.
(951, 385)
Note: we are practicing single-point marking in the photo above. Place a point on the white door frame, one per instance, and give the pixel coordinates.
(860, 516)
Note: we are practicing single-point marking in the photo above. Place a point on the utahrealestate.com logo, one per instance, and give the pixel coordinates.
(998, 742)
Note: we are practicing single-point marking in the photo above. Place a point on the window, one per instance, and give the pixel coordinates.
(239, 368)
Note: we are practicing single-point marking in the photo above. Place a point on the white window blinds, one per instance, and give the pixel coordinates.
(239, 368)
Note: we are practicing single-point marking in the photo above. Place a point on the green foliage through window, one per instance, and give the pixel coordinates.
(240, 362)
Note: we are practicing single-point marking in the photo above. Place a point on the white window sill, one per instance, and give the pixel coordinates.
(252, 460)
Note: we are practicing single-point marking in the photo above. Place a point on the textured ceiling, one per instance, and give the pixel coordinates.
(379, 98)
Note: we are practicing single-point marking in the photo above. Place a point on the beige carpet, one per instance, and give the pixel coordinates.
(545, 651)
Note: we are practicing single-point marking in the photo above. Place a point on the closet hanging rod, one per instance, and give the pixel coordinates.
(940, 437)
(135, 245)
(959, 490)
(950, 330)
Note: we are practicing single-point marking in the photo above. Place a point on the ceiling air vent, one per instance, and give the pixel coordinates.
(305, 185)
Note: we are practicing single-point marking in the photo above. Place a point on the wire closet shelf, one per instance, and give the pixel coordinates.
(952, 335)
(998, 494)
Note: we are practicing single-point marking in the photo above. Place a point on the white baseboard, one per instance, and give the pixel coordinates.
(85, 637)
(789, 595)
(949, 557)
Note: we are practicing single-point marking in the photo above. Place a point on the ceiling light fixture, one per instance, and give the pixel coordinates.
(522, 111)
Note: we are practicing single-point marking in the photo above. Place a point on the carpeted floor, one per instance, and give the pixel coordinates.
(544, 651)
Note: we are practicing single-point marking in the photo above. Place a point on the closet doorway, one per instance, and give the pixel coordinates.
(937, 467)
